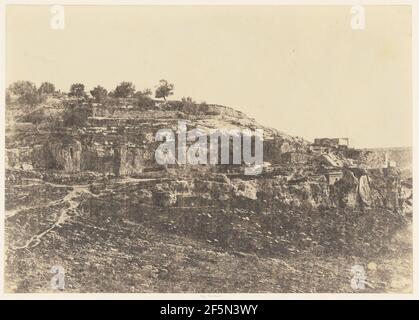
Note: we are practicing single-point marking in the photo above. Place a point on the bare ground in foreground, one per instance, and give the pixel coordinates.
(108, 255)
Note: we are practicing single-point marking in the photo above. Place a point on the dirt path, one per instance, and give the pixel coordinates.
(62, 217)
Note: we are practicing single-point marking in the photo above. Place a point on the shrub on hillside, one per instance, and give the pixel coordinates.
(46, 88)
(26, 92)
(99, 94)
(77, 91)
(75, 115)
(124, 90)
(164, 89)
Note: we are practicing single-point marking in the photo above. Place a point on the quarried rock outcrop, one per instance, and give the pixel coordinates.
(345, 191)
(66, 154)
(129, 160)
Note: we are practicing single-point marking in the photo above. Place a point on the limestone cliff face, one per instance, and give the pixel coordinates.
(119, 142)
(28, 158)
(365, 190)
(279, 193)
(128, 161)
(66, 154)
(379, 188)
(353, 191)
(98, 158)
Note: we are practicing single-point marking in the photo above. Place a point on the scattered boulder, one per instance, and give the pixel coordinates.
(345, 191)
(364, 190)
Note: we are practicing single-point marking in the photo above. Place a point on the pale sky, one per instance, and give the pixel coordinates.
(299, 69)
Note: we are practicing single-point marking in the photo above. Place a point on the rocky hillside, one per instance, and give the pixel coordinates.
(116, 139)
(82, 178)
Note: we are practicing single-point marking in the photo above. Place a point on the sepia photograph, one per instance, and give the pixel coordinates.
(205, 149)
